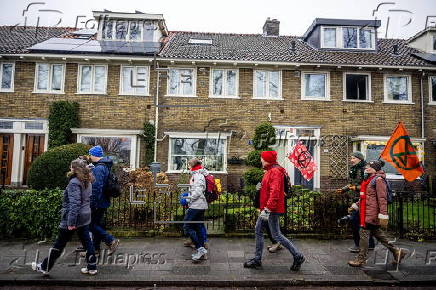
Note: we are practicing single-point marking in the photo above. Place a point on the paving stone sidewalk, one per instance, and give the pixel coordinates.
(165, 262)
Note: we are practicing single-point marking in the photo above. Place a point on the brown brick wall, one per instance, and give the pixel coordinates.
(335, 117)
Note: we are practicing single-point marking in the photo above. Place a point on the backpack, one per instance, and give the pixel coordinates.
(287, 184)
(212, 191)
(390, 194)
(112, 188)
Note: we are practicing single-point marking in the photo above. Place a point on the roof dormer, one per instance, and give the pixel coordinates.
(425, 41)
(342, 34)
(135, 27)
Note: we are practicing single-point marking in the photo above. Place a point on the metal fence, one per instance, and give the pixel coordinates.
(412, 215)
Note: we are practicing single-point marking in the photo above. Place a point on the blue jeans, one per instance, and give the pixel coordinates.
(196, 231)
(97, 228)
(63, 238)
(355, 227)
(274, 225)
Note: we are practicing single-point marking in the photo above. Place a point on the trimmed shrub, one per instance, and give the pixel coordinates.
(251, 178)
(264, 136)
(30, 213)
(63, 116)
(149, 130)
(253, 159)
(50, 168)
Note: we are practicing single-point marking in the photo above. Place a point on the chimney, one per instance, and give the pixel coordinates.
(271, 27)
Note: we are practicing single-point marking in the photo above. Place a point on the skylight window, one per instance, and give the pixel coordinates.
(200, 41)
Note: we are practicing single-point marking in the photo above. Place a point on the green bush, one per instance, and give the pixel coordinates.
(264, 136)
(62, 117)
(30, 213)
(149, 130)
(50, 168)
(253, 159)
(251, 178)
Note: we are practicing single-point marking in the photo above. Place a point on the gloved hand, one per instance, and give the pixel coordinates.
(383, 223)
(258, 186)
(264, 214)
(185, 194)
(184, 202)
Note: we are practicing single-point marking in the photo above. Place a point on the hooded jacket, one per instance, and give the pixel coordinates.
(76, 209)
(196, 198)
(101, 172)
(272, 191)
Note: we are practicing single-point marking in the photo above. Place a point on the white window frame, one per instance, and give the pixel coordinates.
(344, 86)
(267, 89)
(194, 85)
(113, 133)
(430, 92)
(340, 35)
(79, 79)
(327, 86)
(366, 140)
(135, 71)
(49, 89)
(114, 21)
(12, 77)
(224, 95)
(409, 89)
(190, 135)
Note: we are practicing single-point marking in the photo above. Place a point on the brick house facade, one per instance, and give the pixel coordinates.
(332, 125)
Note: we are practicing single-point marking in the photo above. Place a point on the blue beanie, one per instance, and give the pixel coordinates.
(96, 151)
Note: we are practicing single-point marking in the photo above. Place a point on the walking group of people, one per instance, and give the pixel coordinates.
(83, 208)
(85, 203)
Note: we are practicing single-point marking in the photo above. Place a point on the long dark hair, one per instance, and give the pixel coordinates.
(81, 171)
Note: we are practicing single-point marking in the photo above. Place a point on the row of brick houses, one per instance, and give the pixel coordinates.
(338, 88)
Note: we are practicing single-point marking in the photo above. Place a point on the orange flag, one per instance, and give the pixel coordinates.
(400, 152)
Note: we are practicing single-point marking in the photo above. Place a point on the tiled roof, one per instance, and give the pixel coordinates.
(255, 47)
(17, 39)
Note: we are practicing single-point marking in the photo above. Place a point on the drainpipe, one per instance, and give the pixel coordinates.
(422, 108)
(156, 114)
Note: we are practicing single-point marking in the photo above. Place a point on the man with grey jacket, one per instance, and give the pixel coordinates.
(197, 204)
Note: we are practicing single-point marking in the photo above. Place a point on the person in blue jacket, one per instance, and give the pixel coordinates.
(99, 201)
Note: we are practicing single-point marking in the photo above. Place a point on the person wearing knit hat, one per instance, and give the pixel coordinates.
(356, 176)
(272, 206)
(99, 201)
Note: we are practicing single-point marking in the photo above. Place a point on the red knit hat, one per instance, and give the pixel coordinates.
(269, 156)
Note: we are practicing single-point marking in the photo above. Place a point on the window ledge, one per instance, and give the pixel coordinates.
(358, 101)
(134, 95)
(316, 99)
(181, 96)
(90, 93)
(398, 103)
(6, 91)
(268, 99)
(224, 97)
(432, 103)
(48, 92)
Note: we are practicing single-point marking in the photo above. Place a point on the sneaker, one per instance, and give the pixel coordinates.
(357, 262)
(113, 247)
(189, 244)
(275, 248)
(354, 249)
(89, 272)
(80, 249)
(297, 263)
(199, 255)
(37, 267)
(253, 264)
(399, 255)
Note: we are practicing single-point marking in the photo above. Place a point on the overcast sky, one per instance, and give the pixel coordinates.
(233, 16)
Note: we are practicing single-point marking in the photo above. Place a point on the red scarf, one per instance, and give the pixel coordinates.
(196, 167)
(362, 203)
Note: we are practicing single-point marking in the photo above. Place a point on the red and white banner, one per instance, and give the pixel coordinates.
(302, 160)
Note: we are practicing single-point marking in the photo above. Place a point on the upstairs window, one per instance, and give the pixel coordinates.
(434, 42)
(348, 37)
(181, 82)
(49, 78)
(398, 89)
(357, 87)
(224, 83)
(122, 30)
(432, 89)
(134, 80)
(92, 79)
(315, 86)
(267, 85)
(7, 71)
